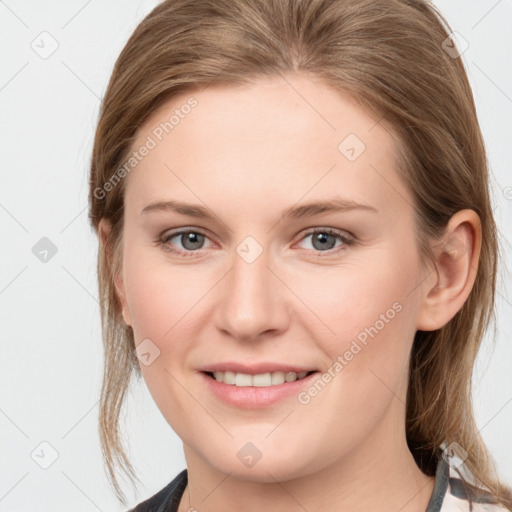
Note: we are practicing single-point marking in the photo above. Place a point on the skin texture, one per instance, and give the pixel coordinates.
(247, 153)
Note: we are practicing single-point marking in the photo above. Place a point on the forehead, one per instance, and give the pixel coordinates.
(287, 135)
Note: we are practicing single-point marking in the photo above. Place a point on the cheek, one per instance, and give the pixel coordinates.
(365, 322)
(161, 297)
(165, 304)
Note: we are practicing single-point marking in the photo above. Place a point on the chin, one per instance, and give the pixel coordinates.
(275, 465)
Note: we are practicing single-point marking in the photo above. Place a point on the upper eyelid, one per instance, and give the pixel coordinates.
(183, 231)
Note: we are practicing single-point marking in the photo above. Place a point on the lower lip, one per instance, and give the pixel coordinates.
(253, 397)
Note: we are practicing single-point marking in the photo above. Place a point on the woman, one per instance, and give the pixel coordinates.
(298, 255)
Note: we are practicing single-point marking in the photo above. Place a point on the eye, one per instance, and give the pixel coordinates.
(191, 241)
(324, 240)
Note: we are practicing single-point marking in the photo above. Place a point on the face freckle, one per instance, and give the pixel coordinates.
(260, 289)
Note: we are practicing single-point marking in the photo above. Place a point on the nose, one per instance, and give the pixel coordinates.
(254, 300)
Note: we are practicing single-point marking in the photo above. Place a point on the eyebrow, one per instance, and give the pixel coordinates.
(305, 210)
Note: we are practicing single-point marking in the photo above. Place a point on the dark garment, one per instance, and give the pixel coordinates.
(167, 499)
(450, 494)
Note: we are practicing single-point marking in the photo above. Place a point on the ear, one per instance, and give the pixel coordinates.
(447, 287)
(104, 229)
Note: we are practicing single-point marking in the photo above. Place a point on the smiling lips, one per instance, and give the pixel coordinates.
(256, 375)
(255, 386)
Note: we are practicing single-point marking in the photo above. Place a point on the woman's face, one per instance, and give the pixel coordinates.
(268, 283)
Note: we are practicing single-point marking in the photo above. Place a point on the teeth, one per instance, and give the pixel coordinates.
(242, 379)
(258, 380)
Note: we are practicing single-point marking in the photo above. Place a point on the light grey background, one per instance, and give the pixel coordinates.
(51, 349)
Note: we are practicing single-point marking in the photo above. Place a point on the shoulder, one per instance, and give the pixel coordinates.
(453, 494)
(463, 496)
(167, 499)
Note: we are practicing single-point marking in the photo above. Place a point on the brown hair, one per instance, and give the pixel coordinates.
(389, 55)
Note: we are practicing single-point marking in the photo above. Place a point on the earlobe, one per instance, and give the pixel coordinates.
(448, 286)
(104, 228)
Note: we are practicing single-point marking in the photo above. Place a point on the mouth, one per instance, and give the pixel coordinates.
(258, 386)
(267, 379)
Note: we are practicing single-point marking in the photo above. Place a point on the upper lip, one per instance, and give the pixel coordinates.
(255, 368)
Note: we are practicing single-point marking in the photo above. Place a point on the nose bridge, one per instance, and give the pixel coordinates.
(252, 302)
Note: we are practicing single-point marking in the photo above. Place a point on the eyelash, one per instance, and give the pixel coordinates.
(347, 242)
